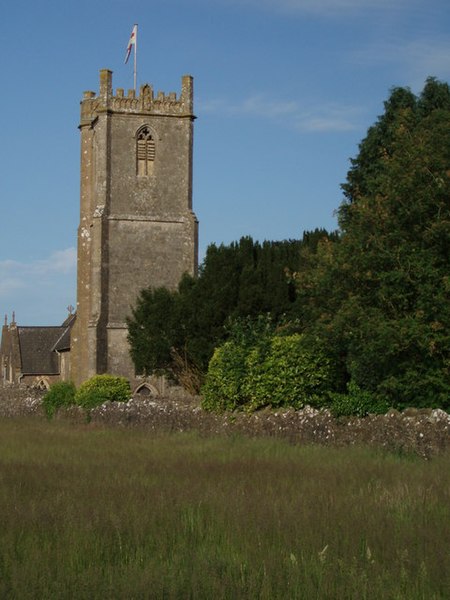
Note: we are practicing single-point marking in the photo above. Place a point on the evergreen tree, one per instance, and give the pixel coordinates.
(379, 298)
(243, 279)
(153, 331)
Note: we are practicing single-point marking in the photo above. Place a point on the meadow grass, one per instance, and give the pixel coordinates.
(89, 512)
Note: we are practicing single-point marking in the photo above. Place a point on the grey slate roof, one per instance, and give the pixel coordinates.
(63, 342)
(36, 349)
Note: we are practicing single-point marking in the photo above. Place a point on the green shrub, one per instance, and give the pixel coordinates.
(102, 388)
(275, 371)
(226, 371)
(357, 402)
(286, 372)
(61, 393)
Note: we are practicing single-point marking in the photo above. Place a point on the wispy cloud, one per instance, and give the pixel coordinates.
(61, 261)
(417, 59)
(291, 114)
(9, 285)
(327, 119)
(326, 8)
(256, 105)
(16, 275)
(39, 290)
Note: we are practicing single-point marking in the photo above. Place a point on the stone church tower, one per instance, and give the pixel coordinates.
(137, 228)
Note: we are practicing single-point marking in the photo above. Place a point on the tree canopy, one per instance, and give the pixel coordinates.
(372, 299)
(172, 331)
(380, 297)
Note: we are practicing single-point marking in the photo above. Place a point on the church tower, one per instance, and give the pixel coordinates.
(137, 228)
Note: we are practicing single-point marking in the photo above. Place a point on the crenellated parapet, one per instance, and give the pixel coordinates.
(145, 102)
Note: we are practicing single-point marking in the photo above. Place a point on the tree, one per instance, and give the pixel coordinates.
(168, 329)
(380, 296)
(153, 331)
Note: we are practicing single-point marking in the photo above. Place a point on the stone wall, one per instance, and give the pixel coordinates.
(20, 401)
(425, 433)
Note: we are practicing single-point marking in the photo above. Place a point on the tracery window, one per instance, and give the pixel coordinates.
(145, 151)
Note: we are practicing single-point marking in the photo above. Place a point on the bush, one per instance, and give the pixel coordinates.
(286, 373)
(276, 371)
(357, 402)
(60, 394)
(226, 372)
(102, 388)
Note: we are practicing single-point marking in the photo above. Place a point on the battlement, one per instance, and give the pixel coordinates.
(145, 102)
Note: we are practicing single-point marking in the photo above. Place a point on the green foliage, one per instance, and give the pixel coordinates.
(374, 299)
(152, 330)
(102, 388)
(226, 376)
(250, 331)
(357, 402)
(226, 373)
(243, 279)
(60, 394)
(285, 372)
(379, 298)
(272, 370)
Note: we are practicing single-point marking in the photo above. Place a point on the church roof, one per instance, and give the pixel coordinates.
(70, 319)
(36, 349)
(63, 342)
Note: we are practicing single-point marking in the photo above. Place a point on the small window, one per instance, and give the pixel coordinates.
(145, 152)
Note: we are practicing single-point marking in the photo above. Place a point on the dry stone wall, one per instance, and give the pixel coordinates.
(422, 432)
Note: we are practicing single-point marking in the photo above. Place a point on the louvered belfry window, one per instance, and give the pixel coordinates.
(145, 152)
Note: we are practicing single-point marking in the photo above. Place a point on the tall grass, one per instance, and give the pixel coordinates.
(102, 513)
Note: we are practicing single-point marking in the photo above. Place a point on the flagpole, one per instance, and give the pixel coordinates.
(135, 58)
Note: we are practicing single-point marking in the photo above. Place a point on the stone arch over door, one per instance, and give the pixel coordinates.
(145, 390)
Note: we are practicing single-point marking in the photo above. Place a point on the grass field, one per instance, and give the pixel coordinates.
(93, 513)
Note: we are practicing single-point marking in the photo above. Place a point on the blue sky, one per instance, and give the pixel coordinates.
(284, 92)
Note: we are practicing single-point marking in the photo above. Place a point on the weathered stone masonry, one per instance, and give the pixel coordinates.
(137, 228)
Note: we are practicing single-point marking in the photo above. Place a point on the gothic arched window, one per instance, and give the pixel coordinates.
(145, 151)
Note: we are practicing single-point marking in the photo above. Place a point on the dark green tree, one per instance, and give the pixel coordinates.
(153, 331)
(379, 298)
(172, 331)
